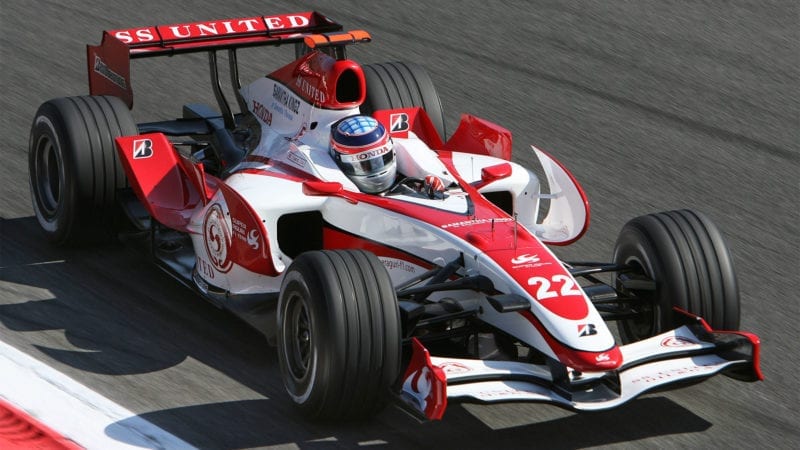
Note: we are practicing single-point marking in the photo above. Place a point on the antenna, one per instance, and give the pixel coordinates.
(515, 231)
(472, 166)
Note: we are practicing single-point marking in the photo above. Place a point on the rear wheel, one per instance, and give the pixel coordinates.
(74, 168)
(686, 256)
(338, 334)
(402, 85)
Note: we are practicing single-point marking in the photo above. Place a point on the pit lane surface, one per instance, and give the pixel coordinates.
(652, 105)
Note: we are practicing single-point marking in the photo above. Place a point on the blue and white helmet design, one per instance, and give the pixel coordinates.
(364, 151)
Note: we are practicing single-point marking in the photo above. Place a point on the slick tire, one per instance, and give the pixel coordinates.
(686, 256)
(402, 85)
(339, 337)
(74, 168)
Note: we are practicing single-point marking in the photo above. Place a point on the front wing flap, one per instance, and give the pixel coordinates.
(687, 354)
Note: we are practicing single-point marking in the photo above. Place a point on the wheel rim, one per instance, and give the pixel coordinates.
(298, 338)
(48, 179)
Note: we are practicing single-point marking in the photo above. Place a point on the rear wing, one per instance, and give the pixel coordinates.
(109, 62)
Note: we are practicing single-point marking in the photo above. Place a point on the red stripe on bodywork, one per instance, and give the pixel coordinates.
(334, 238)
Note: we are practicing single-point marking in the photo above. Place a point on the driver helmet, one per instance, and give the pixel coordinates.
(364, 151)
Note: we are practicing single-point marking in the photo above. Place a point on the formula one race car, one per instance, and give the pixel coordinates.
(381, 260)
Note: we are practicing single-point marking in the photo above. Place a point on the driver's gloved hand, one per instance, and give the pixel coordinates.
(433, 187)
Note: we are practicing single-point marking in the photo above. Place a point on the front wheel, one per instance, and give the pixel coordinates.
(339, 342)
(686, 256)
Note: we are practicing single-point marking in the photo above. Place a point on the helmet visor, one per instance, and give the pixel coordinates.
(368, 162)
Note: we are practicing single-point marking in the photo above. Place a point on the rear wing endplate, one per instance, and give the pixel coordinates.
(109, 62)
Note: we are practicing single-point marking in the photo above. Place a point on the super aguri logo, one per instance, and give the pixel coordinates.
(217, 239)
(525, 259)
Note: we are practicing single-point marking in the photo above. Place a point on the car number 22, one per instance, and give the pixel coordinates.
(549, 288)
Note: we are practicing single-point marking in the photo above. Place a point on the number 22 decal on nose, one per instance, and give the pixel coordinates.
(548, 288)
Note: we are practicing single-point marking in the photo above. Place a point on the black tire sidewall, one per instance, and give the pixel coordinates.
(686, 256)
(355, 332)
(49, 124)
(82, 131)
(637, 246)
(307, 393)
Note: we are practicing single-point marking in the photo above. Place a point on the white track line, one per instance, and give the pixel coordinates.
(72, 409)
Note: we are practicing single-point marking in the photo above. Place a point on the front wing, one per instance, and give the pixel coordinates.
(690, 353)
